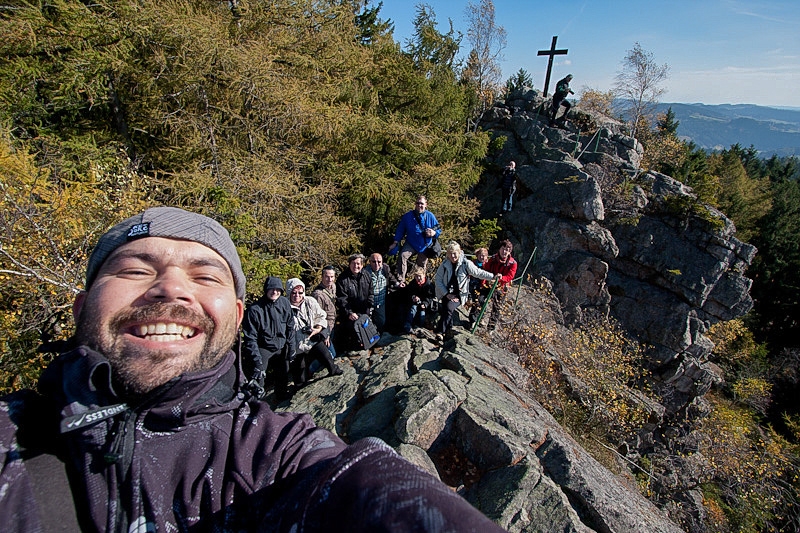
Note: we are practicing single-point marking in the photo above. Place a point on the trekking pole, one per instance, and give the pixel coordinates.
(483, 307)
(522, 277)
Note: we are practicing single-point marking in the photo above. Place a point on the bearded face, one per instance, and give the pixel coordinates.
(159, 308)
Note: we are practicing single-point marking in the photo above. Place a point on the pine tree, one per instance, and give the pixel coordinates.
(519, 81)
(301, 126)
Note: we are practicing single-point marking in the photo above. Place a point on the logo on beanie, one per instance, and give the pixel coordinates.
(139, 230)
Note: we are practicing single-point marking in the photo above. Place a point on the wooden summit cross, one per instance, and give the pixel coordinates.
(552, 52)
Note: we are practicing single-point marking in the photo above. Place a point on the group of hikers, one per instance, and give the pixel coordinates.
(144, 421)
(293, 332)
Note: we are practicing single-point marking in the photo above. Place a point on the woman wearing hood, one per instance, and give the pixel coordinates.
(310, 333)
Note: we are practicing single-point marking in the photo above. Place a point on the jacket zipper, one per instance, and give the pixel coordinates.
(120, 455)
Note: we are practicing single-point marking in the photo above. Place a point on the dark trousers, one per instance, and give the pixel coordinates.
(446, 310)
(379, 317)
(558, 103)
(346, 338)
(265, 360)
(495, 306)
(300, 366)
(280, 367)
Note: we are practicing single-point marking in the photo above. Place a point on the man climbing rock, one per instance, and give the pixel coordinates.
(560, 98)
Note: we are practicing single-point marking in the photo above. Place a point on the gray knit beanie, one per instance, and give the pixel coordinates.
(170, 223)
(291, 283)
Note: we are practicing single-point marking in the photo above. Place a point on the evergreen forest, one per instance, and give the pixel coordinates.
(307, 130)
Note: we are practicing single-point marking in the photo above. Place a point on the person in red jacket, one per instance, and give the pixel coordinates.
(500, 263)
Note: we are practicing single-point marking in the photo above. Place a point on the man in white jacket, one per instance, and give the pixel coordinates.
(452, 283)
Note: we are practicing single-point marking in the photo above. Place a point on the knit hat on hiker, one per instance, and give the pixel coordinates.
(170, 223)
(291, 283)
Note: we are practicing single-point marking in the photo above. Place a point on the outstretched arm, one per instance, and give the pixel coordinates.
(371, 488)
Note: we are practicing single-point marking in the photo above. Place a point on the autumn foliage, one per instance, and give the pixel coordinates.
(301, 126)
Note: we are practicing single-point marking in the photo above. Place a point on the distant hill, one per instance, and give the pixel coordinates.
(714, 127)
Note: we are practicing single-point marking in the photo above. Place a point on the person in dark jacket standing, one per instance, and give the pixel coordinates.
(560, 97)
(142, 424)
(354, 289)
(508, 184)
(268, 338)
(354, 296)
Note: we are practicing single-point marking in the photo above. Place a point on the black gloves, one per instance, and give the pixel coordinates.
(256, 385)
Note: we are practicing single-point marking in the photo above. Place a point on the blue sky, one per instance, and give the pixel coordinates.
(719, 51)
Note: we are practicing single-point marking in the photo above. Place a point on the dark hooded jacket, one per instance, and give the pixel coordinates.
(194, 455)
(267, 328)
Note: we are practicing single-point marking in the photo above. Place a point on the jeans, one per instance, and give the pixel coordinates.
(416, 314)
(508, 199)
(331, 347)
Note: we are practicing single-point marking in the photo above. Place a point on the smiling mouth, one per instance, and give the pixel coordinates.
(164, 332)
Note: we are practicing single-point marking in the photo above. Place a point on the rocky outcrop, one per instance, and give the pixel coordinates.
(616, 239)
(460, 411)
(609, 238)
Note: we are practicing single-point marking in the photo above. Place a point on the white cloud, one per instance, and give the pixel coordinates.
(766, 85)
(747, 10)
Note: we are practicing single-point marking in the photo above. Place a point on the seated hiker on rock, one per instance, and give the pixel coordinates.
(452, 283)
(325, 295)
(419, 298)
(268, 339)
(505, 266)
(311, 331)
(142, 423)
(475, 284)
(481, 256)
(354, 297)
(419, 227)
(560, 98)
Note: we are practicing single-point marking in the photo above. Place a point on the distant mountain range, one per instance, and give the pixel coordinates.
(715, 127)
